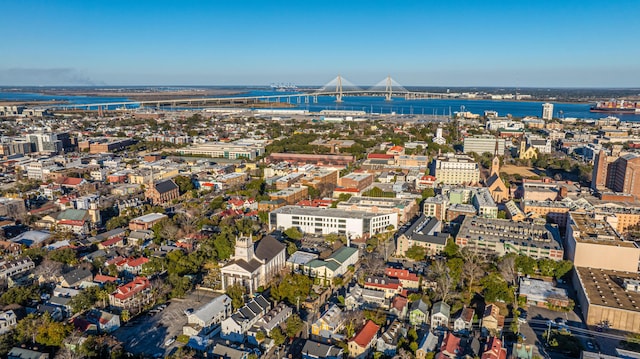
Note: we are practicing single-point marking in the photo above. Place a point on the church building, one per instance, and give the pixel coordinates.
(254, 267)
(497, 188)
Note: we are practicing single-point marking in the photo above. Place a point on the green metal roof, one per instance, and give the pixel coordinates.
(342, 254)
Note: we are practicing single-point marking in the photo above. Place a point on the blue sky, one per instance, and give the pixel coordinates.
(445, 43)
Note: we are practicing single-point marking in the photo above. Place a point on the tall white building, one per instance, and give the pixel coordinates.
(353, 224)
(547, 111)
(482, 144)
(455, 169)
(439, 139)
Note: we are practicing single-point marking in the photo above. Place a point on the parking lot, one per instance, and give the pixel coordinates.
(147, 333)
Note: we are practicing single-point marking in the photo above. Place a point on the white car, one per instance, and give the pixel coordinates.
(169, 342)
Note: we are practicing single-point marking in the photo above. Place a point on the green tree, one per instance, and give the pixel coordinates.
(125, 316)
(236, 293)
(526, 265)
(185, 184)
(65, 255)
(451, 249)
(292, 288)
(427, 193)
(562, 268)
(293, 233)
(416, 253)
(294, 325)
(277, 336)
(20, 295)
(495, 288)
(546, 267)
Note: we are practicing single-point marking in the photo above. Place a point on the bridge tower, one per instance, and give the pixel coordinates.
(388, 89)
(339, 89)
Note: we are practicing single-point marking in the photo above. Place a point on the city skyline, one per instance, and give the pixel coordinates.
(461, 43)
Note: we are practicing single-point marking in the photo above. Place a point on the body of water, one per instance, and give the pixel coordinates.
(374, 104)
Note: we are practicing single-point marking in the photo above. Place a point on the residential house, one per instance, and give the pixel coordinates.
(317, 350)
(407, 279)
(146, 222)
(492, 320)
(329, 324)
(362, 298)
(360, 345)
(419, 313)
(162, 192)
(388, 341)
(22, 353)
(105, 322)
(427, 345)
(133, 295)
(76, 277)
(235, 327)
(208, 315)
(390, 286)
(112, 242)
(335, 265)
(522, 351)
(8, 321)
(11, 268)
(221, 351)
(451, 347)
(494, 349)
(274, 318)
(440, 315)
(399, 307)
(464, 321)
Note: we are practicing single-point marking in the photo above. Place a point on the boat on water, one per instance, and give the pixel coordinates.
(617, 106)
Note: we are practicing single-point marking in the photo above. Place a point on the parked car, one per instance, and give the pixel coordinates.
(188, 311)
(522, 317)
(170, 341)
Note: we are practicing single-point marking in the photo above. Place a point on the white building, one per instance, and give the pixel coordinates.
(438, 139)
(8, 321)
(482, 144)
(254, 268)
(209, 315)
(547, 111)
(495, 125)
(455, 169)
(353, 224)
(484, 203)
(236, 326)
(249, 149)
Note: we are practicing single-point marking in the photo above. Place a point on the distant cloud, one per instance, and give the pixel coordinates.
(45, 77)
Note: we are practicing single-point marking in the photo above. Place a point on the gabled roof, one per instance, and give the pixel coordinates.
(366, 334)
(442, 308)
(342, 254)
(467, 314)
(72, 214)
(165, 186)
(268, 247)
(320, 350)
(494, 350)
(76, 276)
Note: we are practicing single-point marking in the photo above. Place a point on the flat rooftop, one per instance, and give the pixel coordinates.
(325, 212)
(520, 233)
(606, 288)
(593, 228)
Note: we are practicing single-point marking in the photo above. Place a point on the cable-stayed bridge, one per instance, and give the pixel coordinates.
(339, 88)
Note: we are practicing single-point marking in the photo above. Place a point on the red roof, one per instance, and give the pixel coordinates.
(366, 334)
(399, 302)
(132, 288)
(397, 148)
(401, 274)
(344, 189)
(388, 284)
(71, 222)
(494, 350)
(71, 181)
(118, 261)
(101, 278)
(111, 241)
(315, 203)
(450, 344)
(382, 156)
(136, 262)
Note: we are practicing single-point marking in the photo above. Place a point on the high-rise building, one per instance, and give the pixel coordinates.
(617, 173)
(482, 144)
(547, 111)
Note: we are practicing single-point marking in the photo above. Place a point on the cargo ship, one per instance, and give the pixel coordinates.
(619, 106)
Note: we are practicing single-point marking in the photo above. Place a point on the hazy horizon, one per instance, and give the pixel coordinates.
(543, 44)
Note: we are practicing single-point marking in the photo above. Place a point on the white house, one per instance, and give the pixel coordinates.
(8, 320)
(210, 314)
(236, 326)
(464, 321)
(440, 315)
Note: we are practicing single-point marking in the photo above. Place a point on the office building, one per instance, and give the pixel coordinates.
(482, 144)
(353, 224)
(247, 149)
(547, 111)
(592, 242)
